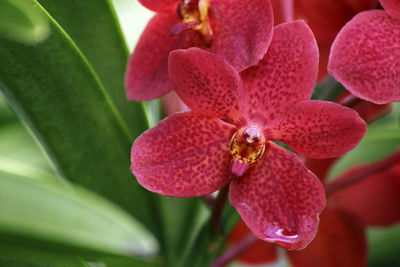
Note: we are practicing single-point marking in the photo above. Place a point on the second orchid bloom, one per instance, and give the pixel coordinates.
(229, 136)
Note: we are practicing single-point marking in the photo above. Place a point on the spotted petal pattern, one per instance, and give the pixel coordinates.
(147, 73)
(365, 57)
(242, 30)
(286, 75)
(207, 84)
(185, 155)
(279, 199)
(319, 129)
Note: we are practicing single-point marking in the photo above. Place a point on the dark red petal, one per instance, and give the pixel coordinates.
(242, 30)
(365, 57)
(258, 253)
(185, 155)
(375, 200)
(340, 241)
(392, 7)
(326, 18)
(319, 129)
(320, 167)
(279, 199)
(207, 84)
(160, 5)
(285, 76)
(283, 11)
(147, 74)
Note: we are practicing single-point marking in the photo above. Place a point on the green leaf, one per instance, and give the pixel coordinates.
(384, 246)
(12, 256)
(23, 22)
(67, 218)
(94, 28)
(55, 92)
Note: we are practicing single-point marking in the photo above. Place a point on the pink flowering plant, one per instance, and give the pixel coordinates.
(279, 142)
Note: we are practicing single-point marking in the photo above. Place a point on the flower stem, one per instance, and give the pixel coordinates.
(365, 172)
(235, 251)
(209, 200)
(218, 207)
(349, 101)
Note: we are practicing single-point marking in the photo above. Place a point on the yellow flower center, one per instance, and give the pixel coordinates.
(248, 144)
(195, 11)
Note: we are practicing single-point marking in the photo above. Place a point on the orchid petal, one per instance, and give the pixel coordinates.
(365, 57)
(207, 84)
(392, 7)
(258, 253)
(340, 241)
(242, 30)
(279, 199)
(375, 200)
(185, 155)
(285, 76)
(159, 5)
(319, 129)
(147, 73)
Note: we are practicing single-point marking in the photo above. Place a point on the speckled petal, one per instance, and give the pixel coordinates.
(285, 76)
(147, 74)
(242, 30)
(185, 155)
(319, 129)
(340, 241)
(326, 18)
(392, 7)
(160, 5)
(258, 253)
(279, 199)
(207, 84)
(365, 57)
(375, 200)
(283, 11)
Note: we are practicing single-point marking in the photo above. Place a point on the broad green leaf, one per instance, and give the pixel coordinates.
(124, 262)
(55, 92)
(12, 256)
(63, 217)
(381, 140)
(94, 28)
(22, 21)
(384, 246)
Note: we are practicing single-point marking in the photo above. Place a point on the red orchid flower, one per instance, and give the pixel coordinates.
(233, 120)
(326, 18)
(365, 56)
(341, 238)
(240, 31)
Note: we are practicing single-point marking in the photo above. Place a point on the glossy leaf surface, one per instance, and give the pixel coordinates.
(60, 216)
(54, 90)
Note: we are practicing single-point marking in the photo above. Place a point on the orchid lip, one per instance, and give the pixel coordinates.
(195, 13)
(248, 144)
